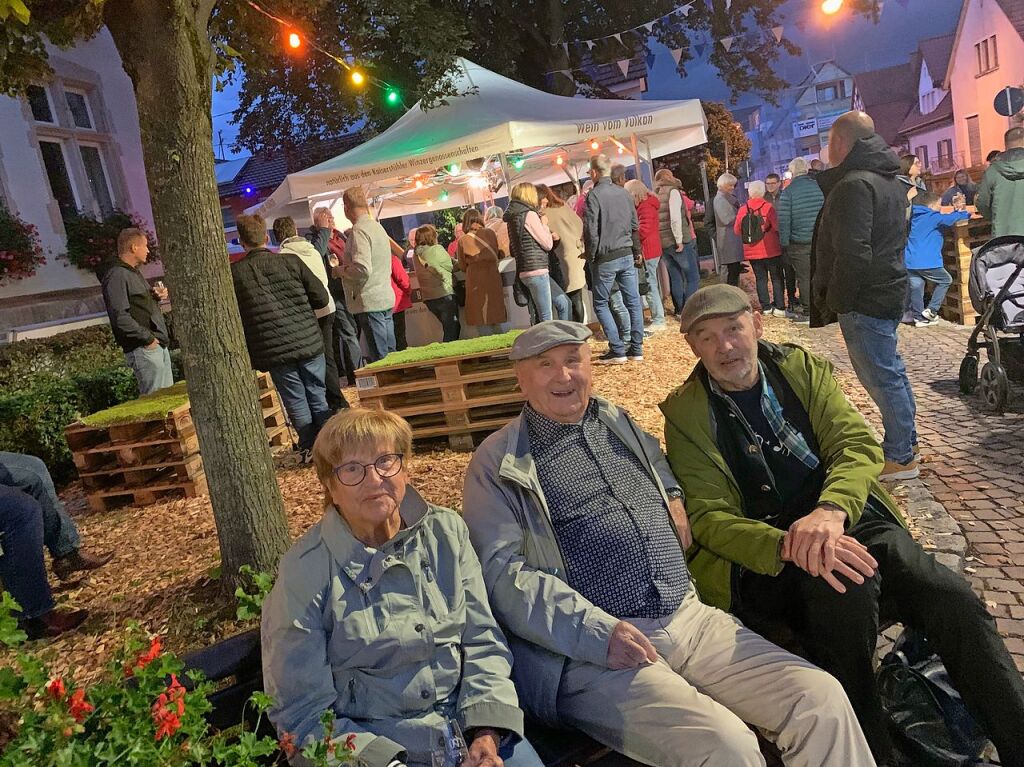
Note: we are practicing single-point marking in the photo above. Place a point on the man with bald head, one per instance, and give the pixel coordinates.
(859, 277)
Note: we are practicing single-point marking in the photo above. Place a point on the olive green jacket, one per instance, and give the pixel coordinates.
(725, 542)
(392, 640)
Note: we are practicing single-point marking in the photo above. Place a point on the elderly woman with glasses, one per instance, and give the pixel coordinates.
(379, 615)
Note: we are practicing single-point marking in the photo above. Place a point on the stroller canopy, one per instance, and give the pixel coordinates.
(994, 264)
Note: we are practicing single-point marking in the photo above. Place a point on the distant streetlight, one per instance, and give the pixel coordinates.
(829, 7)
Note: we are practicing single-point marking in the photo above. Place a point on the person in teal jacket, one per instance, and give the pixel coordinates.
(379, 615)
(924, 257)
(1001, 191)
(792, 529)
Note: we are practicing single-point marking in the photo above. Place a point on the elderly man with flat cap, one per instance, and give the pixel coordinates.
(791, 526)
(581, 530)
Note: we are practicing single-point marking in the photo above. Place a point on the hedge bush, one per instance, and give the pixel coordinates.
(48, 383)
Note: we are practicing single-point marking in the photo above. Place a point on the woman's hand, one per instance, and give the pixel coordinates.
(483, 751)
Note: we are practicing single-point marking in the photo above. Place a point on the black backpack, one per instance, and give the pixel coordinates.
(752, 226)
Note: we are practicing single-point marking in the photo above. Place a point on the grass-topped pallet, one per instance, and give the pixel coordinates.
(146, 450)
(461, 390)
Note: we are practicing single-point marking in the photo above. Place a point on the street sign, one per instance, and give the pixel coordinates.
(1009, 101)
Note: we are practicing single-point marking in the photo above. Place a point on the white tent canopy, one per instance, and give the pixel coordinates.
(494, 116)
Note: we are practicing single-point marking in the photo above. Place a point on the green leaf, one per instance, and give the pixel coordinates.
(11, 684)
(261, 701)
(10, 634)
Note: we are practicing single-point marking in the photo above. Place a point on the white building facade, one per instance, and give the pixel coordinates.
(69, 145)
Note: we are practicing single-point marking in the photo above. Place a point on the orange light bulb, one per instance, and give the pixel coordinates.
(559, 160)
(595, 145)
(294, 41)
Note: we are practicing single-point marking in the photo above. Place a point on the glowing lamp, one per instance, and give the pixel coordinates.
(358, 78)
(248, 190)
(392, 97)
(294, 41)
(595, 145)
(453, 169)
(829, 7)
(430, 203)
(443, 196)
(559, 160)
(419, 184)
(518, 163)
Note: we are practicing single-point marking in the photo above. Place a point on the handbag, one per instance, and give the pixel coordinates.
(924, 710)
(643, 286)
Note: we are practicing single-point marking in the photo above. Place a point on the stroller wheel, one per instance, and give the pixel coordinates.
(995, 388)
(969, 374)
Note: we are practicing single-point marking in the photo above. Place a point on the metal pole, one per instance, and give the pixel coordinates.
(504, 174)
(650, 160)
(708, 202)
(636, 155)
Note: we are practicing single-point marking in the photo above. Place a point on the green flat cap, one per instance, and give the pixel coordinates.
(547, 335)
(710, 302)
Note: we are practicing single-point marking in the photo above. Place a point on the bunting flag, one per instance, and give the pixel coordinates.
(649, 61)
(777, 31)
(623, 66)
(590, 45)
(647, 26)
(565, 47)
(727, 43)
(728, 5)
(618, 37)
(711, 5)
(685, 10)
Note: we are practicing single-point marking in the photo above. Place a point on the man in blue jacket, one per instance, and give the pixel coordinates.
(798, 207)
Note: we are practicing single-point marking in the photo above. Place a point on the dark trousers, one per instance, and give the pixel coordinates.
(335, 399)
(734, 272)
(840, 632)
(401, 344)
(21, 563)
(796, 265)
(447, 312)
(347, 353)
(576, 305)
(763, 268)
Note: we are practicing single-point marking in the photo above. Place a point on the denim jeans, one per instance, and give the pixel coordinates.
(683, 273)
(379, 331)
(152, 368)
(491, 330)
(763, 267)
(654, 291)
(622, 272)
(546, 302)
(871, 343)
(520, 754)
(446, 309)
(304, 396)
(30, 475)
(21, 564)
(347, 352)
(939, 277)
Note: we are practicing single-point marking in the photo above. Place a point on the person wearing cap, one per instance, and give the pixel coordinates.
(792, 528)
(581, 530)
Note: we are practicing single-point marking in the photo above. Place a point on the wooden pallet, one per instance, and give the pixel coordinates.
(958, 245)
(149, 461)
(460, 398)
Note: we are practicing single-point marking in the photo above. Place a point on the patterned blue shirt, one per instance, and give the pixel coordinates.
(617, 539)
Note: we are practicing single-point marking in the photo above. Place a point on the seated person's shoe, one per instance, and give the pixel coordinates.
(896, 471)
(77, 560)
(53, 623)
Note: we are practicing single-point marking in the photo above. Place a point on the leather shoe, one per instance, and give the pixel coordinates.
(53, 623)
(64, 567)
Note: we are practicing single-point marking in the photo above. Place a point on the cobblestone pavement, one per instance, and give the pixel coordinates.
(973, 462)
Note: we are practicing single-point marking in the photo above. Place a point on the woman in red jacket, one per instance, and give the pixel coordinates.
(403, 300)
(647, 205)
(757, 224)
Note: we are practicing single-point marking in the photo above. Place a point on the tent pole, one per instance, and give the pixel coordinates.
(636, 156)
(650, 160)
(504, 174)
(709, 204)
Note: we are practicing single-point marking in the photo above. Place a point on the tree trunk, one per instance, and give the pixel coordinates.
(166, 52)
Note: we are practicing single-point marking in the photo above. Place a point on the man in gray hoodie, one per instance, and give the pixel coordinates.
(1001, 193)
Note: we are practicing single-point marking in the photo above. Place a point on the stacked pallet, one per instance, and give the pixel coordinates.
(145, 461)
(461, 398)
(960, 241)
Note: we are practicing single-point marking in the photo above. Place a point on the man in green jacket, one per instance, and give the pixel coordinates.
(1001, 192)
(792, 528)
(580, 528)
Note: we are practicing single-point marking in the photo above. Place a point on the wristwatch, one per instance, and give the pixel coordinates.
(674, 493)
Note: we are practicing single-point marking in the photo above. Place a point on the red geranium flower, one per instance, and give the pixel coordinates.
(168, 709)
(144, 659)
(77, 705)
(350, 742)
(287, 745)
(56, 688)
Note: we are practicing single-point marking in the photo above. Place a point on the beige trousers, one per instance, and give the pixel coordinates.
(713, 674)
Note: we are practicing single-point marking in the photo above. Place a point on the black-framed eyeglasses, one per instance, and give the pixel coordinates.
(351, 474)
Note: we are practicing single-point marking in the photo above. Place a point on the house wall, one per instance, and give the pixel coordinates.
(58, 290)
(930, 138)
(974, 94)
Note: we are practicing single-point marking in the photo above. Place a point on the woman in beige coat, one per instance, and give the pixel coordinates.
(563, 221)
(478, 255)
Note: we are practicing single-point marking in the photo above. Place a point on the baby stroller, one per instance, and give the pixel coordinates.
(997, 292)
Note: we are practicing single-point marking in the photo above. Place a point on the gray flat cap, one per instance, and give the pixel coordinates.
(713, 301)
(547, 335)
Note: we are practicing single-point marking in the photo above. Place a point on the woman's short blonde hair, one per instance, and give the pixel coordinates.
(355, 429)
(726, 179)
(526, 192)
(638, 190)
(756, 189)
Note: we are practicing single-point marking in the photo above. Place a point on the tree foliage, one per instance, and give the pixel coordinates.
(722, 130)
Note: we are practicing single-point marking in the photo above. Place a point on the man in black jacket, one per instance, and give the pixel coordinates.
(135, 316)
(277, 295)
(859, 276)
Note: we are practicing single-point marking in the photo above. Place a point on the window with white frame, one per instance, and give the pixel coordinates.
(96, 173)
(78, 106)
(39, 103)
(55, 163)
(945, 149)
(922, 155)
(987, 55)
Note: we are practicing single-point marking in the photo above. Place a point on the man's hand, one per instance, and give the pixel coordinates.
(160, 293)
(679, 247)
(629, 648)
(324, 220)
(677, 511)
(852, 561)
(811, 541)
(483, 751)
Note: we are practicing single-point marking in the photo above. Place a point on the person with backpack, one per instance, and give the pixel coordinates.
(757, 224)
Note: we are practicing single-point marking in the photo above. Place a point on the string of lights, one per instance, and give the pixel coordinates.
(295, 41)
